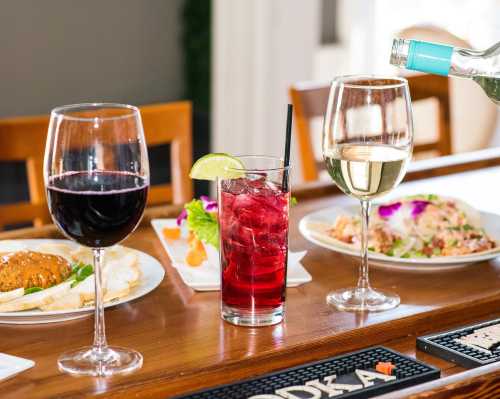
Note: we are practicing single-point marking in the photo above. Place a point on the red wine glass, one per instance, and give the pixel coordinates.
(96, 173)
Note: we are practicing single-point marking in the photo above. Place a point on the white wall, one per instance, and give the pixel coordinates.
(56, 52)
(366, 30)
(260, 48)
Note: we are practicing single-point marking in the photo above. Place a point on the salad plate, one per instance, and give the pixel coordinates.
(316, 227)
(206, 277)
(192, 240)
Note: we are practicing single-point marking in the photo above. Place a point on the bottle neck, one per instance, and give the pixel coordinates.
(437, 59)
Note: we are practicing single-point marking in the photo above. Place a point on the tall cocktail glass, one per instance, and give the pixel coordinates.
(253, 220)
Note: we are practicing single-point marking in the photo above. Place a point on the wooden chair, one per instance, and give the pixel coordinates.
(23, 139)
(310, 100)
(170, 123)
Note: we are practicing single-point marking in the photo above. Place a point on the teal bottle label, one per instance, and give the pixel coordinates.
(429, 57)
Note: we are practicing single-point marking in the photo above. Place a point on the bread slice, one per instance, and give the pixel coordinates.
(85, 255)
(82, 254)
(11, 295)
(37, 299)
(120, 275)
(86, 289)
(70, 300)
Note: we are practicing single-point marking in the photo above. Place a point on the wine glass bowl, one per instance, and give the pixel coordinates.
(367, 144)
(96, 174)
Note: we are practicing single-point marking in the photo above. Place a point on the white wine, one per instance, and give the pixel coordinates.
(366, 171)
(491, 87)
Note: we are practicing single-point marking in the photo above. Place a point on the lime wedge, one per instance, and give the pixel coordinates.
(211, 166)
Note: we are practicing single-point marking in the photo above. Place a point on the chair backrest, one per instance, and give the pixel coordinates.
(23, 139)
(170, 123)
(310, 100)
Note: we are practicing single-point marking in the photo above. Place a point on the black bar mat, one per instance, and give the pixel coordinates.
(445, 346)
(314, 380)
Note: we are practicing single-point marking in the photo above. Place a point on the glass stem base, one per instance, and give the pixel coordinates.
(362, 299)
(97, 362)
(252, 318)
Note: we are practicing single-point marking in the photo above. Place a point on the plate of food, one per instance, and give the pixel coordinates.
(418, 232)
(192, 240)
(45, 280)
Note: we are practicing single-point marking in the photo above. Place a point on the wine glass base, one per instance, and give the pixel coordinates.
(362, 299)
(110, 361)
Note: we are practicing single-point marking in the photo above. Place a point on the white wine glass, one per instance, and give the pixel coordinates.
(367, 143)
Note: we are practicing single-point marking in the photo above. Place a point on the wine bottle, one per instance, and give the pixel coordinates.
(481, 66)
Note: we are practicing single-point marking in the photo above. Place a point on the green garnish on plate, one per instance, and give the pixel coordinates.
(204, 224)
(80, 272)
(32, 290)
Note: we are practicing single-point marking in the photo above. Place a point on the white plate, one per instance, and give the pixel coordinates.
(152, 274)
(206, 277)
(490, 222)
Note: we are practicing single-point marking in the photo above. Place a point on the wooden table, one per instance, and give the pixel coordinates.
(186, 346)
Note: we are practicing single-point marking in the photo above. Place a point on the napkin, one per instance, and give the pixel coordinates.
(12, 365)
(206, 277)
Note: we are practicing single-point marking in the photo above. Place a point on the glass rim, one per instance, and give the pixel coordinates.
(61, 111)
(257, 170)
(345, 80)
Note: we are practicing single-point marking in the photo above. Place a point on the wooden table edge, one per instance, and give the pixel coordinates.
(481, 382)
(160, 386)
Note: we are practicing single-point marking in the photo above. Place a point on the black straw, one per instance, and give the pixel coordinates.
(288, 139)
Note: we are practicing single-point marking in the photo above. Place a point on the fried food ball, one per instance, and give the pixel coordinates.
(26, 269)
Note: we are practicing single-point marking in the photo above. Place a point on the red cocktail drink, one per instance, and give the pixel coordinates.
(253, 220)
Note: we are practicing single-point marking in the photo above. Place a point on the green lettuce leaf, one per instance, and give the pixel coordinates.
(202, 223)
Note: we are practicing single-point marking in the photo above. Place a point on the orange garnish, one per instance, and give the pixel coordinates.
(194, 258)
(385, 368)
(172, 233)
(196, 253)
(191, 237)
(198, 246)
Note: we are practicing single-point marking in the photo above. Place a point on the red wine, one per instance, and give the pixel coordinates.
(97, 209)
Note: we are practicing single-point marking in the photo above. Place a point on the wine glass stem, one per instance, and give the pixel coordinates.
(100, 343)
(363, 282)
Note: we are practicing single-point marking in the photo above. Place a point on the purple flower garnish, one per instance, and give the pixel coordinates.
(208, 204)
(386, 211)
(182, 216)
(418, 206)
(212, 207)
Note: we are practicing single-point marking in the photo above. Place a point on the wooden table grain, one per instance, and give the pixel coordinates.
(186, 345)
